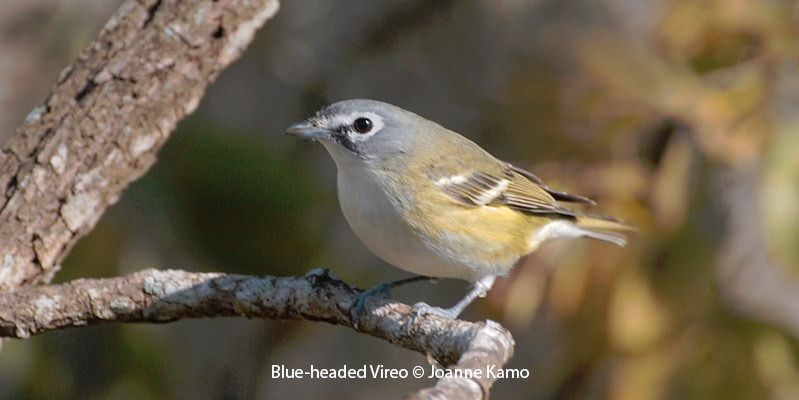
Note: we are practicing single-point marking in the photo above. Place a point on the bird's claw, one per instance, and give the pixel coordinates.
(422, 309)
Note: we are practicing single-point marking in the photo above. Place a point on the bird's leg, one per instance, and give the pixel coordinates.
(381, 290)
(480, 289)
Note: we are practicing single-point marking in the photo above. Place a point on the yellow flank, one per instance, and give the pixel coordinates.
(493, 236)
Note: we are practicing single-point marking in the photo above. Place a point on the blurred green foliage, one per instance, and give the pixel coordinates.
(236, 202)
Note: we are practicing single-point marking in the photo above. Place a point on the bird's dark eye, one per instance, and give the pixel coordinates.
(362, 125)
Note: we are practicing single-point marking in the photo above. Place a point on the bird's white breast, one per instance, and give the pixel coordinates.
(376, 217)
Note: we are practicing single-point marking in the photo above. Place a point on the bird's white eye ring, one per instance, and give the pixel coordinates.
(362, 125)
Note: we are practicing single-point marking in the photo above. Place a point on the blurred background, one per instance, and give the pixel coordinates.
(680, 117)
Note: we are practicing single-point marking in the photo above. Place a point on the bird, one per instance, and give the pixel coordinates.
(429, 201)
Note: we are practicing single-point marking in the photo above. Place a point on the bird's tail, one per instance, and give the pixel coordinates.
(603, 228)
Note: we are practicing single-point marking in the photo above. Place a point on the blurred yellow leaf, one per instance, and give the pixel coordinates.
(780, 196)
(777, 366)
(636, 319)
(670, 189)
(642, 377)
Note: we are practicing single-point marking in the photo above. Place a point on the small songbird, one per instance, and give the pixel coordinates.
(431, 202)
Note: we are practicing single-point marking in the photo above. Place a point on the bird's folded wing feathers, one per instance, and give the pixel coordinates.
(557, 195)
(511, 187)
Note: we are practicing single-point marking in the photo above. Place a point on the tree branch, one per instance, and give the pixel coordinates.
(162, 296)
(106, 118)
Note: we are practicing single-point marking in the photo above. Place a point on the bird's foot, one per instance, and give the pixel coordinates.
(422, 309)
(479, 290)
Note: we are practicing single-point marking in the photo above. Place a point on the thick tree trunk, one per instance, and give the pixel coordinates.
(106, 118)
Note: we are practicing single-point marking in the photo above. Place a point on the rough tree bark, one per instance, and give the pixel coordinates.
(100, 129)
(106, 118)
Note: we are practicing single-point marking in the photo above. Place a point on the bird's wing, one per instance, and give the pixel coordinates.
(507, 186)
(557, 195)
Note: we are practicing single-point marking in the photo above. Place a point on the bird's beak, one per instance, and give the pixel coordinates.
(306, 130)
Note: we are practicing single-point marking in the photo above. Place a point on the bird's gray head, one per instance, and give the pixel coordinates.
(366, 130)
